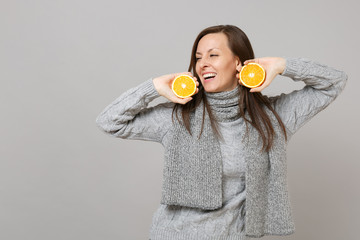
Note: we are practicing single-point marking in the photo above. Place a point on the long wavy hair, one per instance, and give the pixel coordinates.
(252, 103)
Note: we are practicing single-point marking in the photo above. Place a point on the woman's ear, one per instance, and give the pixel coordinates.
(238, 64)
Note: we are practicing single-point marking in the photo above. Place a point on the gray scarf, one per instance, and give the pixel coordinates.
(193, 167)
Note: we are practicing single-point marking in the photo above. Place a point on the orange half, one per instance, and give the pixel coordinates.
(184, 86)
(252, 75)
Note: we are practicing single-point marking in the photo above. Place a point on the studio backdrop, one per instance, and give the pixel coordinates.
(63, 62)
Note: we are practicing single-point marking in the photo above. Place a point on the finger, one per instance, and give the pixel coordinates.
(258, 89)
(240, 83)
(249, 61)
(196, 80)
(177, 99)
(189, 73)
(261, 87)
(185, 100)
(182, 73)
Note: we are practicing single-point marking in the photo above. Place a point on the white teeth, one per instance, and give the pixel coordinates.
(209, 75)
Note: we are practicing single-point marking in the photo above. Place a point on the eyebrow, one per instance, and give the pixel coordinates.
(207, 51)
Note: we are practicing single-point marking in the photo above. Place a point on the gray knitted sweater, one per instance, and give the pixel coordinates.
(129, 117)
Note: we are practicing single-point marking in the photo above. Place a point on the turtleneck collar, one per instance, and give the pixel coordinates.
(224, 105)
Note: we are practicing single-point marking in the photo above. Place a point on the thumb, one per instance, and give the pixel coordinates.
(185, 100)
(250, 61)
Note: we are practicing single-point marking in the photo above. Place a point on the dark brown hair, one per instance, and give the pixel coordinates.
(252, 103)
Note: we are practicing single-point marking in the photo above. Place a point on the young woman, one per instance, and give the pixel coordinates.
(224, 139)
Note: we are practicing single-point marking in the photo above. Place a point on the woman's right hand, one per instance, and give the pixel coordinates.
(163, 87)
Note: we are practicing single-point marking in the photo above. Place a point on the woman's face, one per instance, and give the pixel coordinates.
(216, 65)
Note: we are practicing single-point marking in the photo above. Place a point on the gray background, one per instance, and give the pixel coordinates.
(62, 62)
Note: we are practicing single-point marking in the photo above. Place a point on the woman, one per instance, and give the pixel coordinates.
(224, 139)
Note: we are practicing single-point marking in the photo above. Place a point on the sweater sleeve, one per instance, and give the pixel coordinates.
(128, 117)
(322, 85)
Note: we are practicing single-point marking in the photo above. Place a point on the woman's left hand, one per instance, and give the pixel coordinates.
(272, 65)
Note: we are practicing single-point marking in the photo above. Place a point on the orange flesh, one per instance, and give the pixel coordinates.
(184, 86)
(252, 75)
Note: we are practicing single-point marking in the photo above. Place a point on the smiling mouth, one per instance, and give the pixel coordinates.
(209, 76)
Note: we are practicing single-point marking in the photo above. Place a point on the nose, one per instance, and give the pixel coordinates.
(202, 62)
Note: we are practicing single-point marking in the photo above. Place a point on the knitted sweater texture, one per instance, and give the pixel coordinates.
(267, 210)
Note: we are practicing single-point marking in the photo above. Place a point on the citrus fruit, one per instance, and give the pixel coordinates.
(183, 86)
(252, 75)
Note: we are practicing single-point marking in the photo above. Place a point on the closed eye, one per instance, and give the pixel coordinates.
(211, 55)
